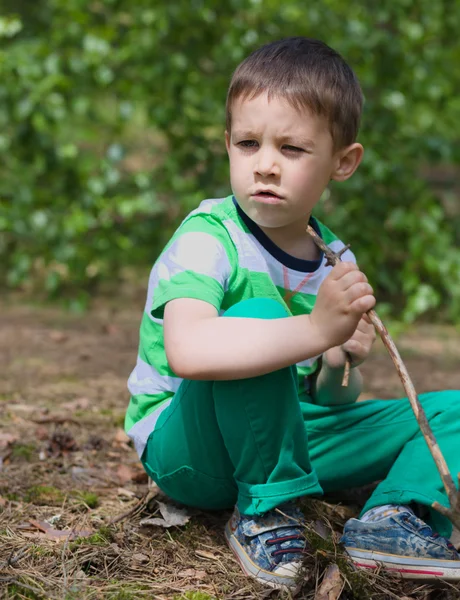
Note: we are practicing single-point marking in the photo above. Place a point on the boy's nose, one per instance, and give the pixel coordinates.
(266, 164)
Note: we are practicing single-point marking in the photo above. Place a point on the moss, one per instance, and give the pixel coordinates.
(89, 499)
(40, 551)
(16, 592)
(130, 593)
(12, 496)
(46, 495)
(23, 452)
(325, 552)
(194, 596)
(102, 537)
(119, 420)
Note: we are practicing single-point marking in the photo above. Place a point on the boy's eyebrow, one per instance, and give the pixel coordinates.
(297, 140)
(244, 133)
(294, 140)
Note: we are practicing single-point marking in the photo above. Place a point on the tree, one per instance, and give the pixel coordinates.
(113, 115)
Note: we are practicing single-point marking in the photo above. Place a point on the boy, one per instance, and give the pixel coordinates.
(236, 395)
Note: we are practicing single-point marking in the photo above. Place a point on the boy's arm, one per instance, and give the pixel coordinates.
(201, 345)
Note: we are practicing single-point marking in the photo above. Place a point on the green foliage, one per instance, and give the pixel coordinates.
(89, 499)
(45, 495)
(111, 128)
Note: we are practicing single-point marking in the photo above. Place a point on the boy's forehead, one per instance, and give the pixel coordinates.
(254, 115)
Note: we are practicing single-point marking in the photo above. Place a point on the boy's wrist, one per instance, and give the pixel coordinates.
(318, 336)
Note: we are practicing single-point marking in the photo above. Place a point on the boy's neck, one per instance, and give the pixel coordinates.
(296, 243)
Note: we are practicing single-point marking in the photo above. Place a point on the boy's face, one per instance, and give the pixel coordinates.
(281, 160)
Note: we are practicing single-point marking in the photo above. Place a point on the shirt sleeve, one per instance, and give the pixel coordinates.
(195, 264)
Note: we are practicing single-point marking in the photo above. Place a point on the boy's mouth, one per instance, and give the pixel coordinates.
(267, 196)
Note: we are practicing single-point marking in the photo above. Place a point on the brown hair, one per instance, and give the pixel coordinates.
(309, 75)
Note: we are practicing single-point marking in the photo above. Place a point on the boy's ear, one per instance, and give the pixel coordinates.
(347, 161)
(227, 141)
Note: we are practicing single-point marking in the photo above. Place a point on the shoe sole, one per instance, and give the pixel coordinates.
(409, 567)
(252, 570)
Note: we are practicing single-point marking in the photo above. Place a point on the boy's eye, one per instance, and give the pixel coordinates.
(248, 144)
(292, 148)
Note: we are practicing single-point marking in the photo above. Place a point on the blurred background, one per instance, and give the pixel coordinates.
(112, 129)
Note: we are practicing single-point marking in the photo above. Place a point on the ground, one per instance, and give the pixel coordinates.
(72, 492)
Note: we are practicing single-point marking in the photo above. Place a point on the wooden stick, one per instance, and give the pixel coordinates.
(452, 513)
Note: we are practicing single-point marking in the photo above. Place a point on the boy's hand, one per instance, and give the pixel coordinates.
(357, 347)
(343, 298)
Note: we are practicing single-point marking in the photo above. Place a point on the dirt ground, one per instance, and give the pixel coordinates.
(72, 492)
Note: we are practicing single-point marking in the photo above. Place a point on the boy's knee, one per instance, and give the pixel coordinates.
(257, 308)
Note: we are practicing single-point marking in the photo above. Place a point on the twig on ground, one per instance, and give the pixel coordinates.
(143, 502)
(452, 513)
(12, 560)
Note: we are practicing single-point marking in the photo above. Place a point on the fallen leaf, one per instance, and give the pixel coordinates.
(321, 529)
(110, 329)
(140, 476)
(172, 516)
(80, 575)
(41, 433)
(58, 534)
(23, 408)
(77, 404)
(193, 574)
(124, 474)
(206, 554)
(121, 437)
(125, 492)
(6, 439)
(331, 586)
(58, 419)
(58, 336)
(140, 558)
(61, 443)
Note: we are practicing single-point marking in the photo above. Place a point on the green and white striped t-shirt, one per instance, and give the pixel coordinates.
(220, 256)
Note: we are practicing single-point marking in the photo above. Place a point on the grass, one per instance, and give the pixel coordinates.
(80, 488)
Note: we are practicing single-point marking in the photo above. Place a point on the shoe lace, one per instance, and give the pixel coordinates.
(280, 552)
(449, 544)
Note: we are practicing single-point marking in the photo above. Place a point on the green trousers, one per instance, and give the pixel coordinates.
(257, 443)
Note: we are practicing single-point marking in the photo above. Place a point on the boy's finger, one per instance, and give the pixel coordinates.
(341, 268)
(358, 290)
(352, 278)
(362, 304)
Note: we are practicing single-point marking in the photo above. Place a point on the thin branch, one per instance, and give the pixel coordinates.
(452, 513)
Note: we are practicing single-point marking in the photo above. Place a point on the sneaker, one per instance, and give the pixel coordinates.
(269, 547)
(401, 543)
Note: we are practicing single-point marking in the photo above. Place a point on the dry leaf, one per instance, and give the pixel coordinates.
(321, 529)
(23, 408)
(125, 492)
(61, 443)
(193, 574)
(124, 474)
(172, 516)
(120, 437)
(77, 404)
(331, 586)
(58, 534)
(206, 554)
(6, 439)
(140, 476)
(58, 336)
(140, 558)
(41, 433)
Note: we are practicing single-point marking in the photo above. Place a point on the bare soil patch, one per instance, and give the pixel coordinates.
(69, 476)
